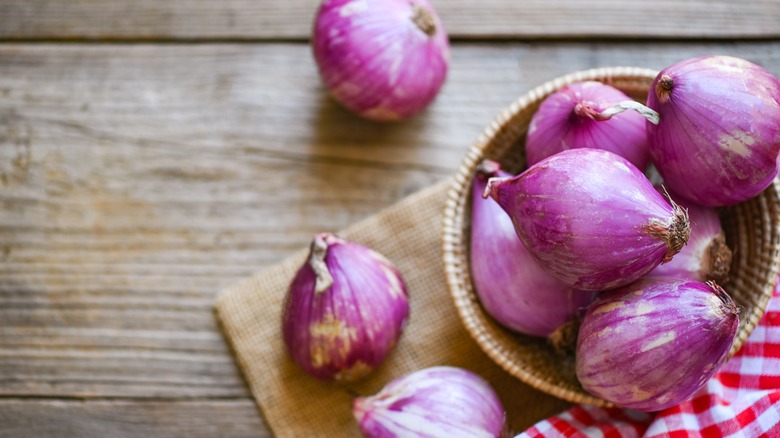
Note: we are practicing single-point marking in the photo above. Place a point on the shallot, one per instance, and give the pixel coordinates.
(591, 218)
(437, 402)
(573, 117)
(719, 137)
(382, 59)
(511, 285)
(344, 311)
(651, 345)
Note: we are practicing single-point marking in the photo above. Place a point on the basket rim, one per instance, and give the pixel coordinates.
(451, 234)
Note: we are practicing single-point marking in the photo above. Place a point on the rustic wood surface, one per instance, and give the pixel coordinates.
(274, 19)
(139, 178)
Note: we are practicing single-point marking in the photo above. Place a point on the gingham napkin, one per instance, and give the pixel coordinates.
(741, 400)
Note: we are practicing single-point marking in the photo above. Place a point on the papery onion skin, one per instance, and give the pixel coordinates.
(512, 287)
(384, 60)
(345, 310)
(591, 218)
(705, 257)
(432, 402)
(569, 118)
(651, 345)
(719, 137)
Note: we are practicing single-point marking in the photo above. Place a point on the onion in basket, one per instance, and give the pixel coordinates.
(651, 345)
(591, 218)
(718, 140)
(572, 118)
(432, 402)
(511, 285)
(345, 310)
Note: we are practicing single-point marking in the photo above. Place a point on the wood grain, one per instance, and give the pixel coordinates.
(292, 19)
(119, 419)
(138, 180)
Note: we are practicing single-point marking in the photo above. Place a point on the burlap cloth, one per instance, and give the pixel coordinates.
(296, 405)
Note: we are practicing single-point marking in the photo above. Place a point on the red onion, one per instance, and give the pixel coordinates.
(719, 137)
(572, 118)
(706, 256)
(382, 59)
(433, 402)
(591, 218)
(345, 310)
(652, 344)
(511, 285)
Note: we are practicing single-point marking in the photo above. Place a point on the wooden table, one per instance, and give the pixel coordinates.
(154, 152)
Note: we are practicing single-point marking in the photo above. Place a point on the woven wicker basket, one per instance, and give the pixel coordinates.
(752, 232)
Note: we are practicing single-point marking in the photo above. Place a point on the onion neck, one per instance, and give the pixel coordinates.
(725, 298)
(564, 338)
(585, 109)
(649, 114)
(717, 260)
(319, 250)
(679, 231)
(494, 189)
(488, 168)
(663, 88)
(675, 232)
(423, 19)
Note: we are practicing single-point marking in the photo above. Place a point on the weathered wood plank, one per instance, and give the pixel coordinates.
(119, 419)
(275, 19)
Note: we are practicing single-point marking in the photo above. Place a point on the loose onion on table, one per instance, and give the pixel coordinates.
(591, 218)
(706, 256)
(382, 59)
(574, 117)
(511, 285)
(344, 311)
(718, 140)
(433, 402)
(651, 345)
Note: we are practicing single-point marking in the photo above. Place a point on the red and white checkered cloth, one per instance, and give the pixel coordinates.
(741, 400)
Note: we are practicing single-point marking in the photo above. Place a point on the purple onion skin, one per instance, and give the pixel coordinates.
(719, 137)
(651, 345)
(513, 288)
(382, 59)
(705, 257)
(432, 402)
(346, 330)
(591, 218)
(567, 119)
